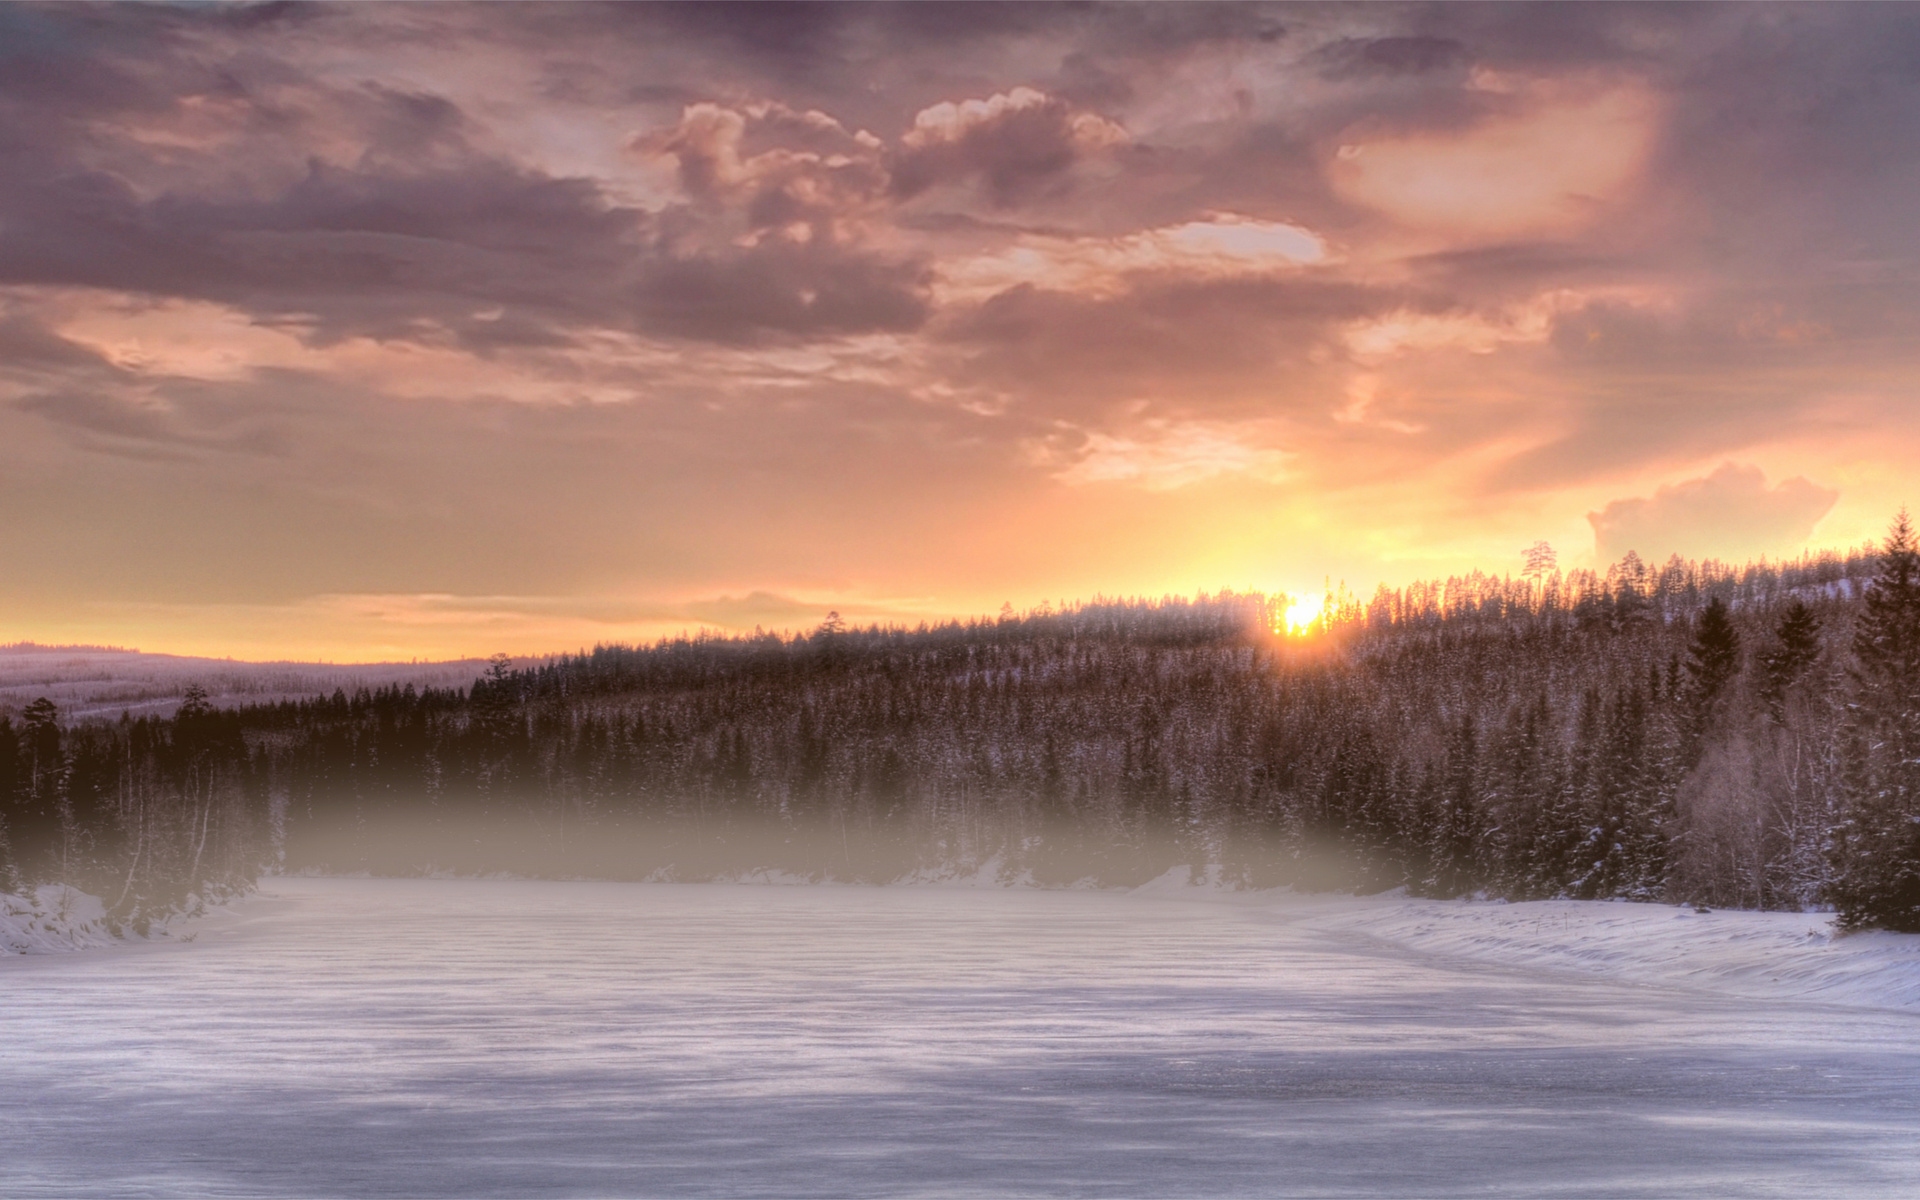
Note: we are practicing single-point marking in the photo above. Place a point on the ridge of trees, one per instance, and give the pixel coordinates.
(1743, 736)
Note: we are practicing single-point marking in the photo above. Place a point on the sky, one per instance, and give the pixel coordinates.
(363, 332)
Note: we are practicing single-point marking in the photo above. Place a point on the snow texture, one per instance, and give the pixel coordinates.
(347, 1037)
(1733, 953)
(51, 919)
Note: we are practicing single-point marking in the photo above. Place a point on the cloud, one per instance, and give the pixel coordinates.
(1403, 331)
(1162, 455)
(1357, 57)
(768, 305)
(1217, 246)
(28, 346)
(757, 608)
(614, 616)
(1548, 163)
(1185, 347)
(808, 159)
(1015, 143)
(1730, 514)
(97, 415)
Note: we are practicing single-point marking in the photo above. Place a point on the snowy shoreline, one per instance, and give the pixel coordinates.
(1760, 955)
(55, 918)
(52, 919)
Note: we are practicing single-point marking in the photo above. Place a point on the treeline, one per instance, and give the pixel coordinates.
(153, 816)
(1737, 736)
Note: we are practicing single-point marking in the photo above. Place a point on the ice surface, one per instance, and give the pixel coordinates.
(454, 1037)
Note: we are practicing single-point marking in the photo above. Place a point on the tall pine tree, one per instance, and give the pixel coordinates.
(1797, 645)
(1713, 659)
(1876, 849)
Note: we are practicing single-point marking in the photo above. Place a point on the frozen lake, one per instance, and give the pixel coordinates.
(434, 1037)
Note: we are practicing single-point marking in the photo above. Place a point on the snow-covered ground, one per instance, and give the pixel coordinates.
(456, 1037)
(51, 919)
(1747, 954)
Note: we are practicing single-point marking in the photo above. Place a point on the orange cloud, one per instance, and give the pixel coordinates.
(1161, 455)
(1217, 246)
(1731, 513)
(1549, 163)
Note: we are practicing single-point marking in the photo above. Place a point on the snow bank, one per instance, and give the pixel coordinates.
(53, 918)
(1758, 954)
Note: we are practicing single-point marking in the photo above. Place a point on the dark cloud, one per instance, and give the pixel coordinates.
(361, 252)
(1730, 514)
(791, 290)
(396, 255)
(130, 426)
(415, 230)
(97, 414)
(1362, 57)
(28, 346)
(1558, 37)
(1240, 346)
(793, 40)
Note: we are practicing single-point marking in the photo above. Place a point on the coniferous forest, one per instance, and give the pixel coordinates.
(1689, 732)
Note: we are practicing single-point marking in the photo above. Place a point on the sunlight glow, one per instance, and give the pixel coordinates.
(1302, 613)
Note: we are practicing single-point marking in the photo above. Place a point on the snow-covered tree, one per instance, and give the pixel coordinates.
(1876, 847)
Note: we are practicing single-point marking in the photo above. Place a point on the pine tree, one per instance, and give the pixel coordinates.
(1713, 659)
(1455, 828)
(11, 807)
(1797, 645)
(1798, 737)
(1876, 849)
(37, 821)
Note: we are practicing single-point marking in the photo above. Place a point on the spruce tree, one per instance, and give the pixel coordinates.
(1797, 645)
(1713, 659)
(1876, 849)
(1455, 829)
(36, 826)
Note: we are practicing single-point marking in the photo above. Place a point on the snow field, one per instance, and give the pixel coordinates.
(368, 1037)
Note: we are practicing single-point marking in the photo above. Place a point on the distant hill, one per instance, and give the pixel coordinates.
(91, 682)
(1692, 731)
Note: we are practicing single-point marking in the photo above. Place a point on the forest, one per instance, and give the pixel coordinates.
(1691, 732)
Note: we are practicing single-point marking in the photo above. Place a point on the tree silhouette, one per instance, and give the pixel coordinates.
(1542, 561)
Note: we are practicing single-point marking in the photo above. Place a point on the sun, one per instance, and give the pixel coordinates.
(1302, 613)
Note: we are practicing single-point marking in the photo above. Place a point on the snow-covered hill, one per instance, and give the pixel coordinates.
(102, 681)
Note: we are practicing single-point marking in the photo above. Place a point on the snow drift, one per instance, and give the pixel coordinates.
(1758, 954)
(52, 918)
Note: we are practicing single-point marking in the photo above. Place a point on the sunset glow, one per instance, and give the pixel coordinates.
(373, 332)
(1302, 613)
